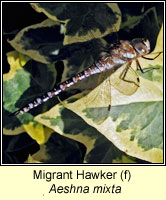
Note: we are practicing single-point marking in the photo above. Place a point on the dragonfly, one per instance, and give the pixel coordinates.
(116, 56)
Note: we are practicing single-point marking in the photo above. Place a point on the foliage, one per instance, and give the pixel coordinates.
(132, 130)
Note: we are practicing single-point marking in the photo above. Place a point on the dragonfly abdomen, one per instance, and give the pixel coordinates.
(94, 69)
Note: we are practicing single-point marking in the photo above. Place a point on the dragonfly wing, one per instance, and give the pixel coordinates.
(101, 95)
(96, 103)
(125, 80)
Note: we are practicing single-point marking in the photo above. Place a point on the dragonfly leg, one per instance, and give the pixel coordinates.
(145, 70)
(152, 58)
(149, 69)
(139, 66)
(123, 75)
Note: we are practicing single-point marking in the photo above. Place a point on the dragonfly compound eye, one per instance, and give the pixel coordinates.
(147, 44)
(142, 46)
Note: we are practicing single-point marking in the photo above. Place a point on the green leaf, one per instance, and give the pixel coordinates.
(105, 152)
(25, 81)
(80, 19)
(14, 88)
(68, 124)
(40, 41)
(59, 149)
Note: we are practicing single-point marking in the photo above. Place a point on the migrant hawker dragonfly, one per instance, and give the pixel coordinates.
(117, 56)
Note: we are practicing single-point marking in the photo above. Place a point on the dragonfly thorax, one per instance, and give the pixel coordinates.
(141, 46)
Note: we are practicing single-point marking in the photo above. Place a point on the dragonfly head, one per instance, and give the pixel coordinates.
(141, 45)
